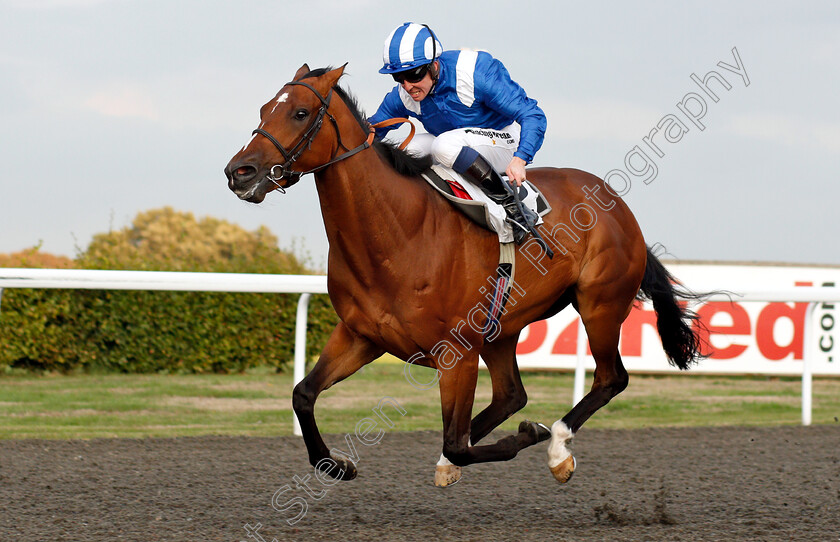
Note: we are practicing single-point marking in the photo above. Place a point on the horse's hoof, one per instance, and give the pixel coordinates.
(446, 475)
(349, 469)
(563, 471)
(341, 469)
(537, 431)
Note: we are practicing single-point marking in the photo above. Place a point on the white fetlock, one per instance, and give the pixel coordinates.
(560, 461)
(446, 473)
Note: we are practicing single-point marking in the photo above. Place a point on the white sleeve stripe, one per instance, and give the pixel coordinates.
(465, 76)
(409, 102)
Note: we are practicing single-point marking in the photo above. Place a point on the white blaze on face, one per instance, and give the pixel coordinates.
(249, 142)
(280, 99)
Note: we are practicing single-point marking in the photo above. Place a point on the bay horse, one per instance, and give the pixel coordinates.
(406, 271)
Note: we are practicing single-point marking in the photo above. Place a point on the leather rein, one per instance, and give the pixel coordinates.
(282, 171)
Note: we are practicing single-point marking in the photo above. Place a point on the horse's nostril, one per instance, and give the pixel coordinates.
(243, 173)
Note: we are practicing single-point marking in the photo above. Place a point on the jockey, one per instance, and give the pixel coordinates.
(480, 121)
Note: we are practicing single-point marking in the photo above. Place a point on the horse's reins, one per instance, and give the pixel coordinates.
(305, 142)
(398, 120)
(308, 136)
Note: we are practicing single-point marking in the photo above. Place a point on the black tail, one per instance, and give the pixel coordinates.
(674, 321)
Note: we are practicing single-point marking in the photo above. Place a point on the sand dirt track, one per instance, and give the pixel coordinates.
(652, 484)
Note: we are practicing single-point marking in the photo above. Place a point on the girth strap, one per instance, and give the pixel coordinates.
(501, 287)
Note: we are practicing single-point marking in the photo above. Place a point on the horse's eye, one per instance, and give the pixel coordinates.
(301, 114)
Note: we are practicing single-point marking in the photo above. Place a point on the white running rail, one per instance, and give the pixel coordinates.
(317, 284)
(812, 295)
(184, 282)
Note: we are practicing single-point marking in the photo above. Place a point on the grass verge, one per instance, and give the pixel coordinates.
(259, 403)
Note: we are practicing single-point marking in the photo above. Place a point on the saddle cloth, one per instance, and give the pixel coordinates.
(474, 203)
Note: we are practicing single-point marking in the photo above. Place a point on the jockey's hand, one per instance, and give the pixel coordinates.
(516, 170)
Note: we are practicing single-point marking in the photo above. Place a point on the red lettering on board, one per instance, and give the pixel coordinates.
(766, 325)
(534, 337)
(631, 330)
(721, 340)
(566, 342)
(740, 326)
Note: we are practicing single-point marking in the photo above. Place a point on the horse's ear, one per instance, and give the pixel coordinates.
(302, 71)
(332, 76)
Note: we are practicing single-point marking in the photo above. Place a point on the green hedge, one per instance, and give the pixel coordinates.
(142, 331)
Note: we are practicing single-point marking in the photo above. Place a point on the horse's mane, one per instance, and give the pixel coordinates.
(403, 162)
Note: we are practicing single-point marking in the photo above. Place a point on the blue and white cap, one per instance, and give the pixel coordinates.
(409, 46)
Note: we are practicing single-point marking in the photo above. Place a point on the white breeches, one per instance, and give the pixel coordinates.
(496, 146)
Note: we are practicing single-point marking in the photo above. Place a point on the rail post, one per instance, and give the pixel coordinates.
(300, 351)
(580, 368)
(807, 369)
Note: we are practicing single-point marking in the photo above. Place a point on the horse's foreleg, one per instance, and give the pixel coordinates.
(508, 397)
(457, 393)
(344, 354)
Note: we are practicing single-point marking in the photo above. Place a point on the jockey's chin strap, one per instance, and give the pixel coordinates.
(282, 171)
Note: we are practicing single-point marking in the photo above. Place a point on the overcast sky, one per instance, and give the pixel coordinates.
(112, 107)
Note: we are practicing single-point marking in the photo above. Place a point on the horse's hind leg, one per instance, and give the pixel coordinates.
(509, 395)
(603, 325)
(344, 354)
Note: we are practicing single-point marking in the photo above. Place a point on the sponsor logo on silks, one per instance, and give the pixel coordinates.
(489, 133)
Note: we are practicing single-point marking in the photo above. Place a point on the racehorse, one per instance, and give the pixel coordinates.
(406, 271)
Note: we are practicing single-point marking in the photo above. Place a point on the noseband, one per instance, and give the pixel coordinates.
(282, 171)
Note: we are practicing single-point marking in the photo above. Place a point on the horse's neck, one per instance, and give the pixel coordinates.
(370, 211)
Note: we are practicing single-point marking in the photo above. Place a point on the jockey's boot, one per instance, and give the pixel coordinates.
(476, 168)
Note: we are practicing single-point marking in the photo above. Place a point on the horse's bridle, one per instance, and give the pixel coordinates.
(305, 142)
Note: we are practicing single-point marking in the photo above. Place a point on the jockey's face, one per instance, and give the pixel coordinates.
(419, 90)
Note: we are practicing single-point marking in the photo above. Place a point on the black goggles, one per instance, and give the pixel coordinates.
(414, 75)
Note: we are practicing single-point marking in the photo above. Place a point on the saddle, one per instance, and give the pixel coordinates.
(473, 202)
